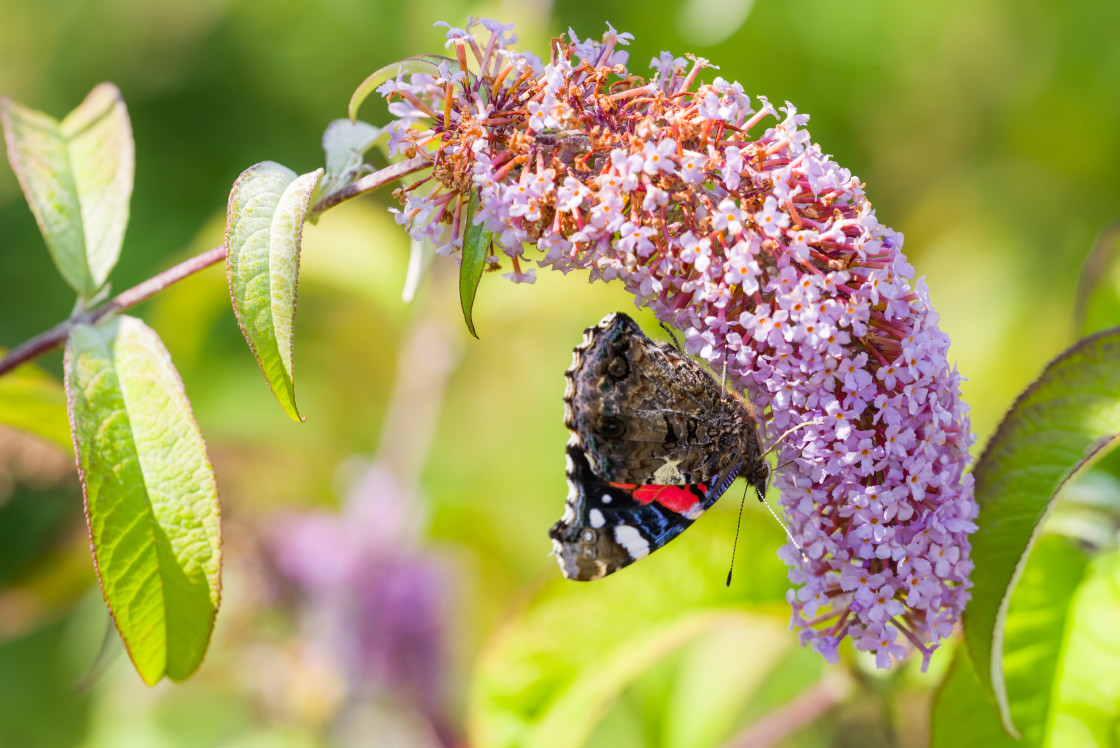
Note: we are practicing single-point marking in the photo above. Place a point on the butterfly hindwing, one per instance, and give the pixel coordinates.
(607, 526)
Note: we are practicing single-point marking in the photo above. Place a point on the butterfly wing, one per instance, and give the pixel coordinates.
(607, 526)
(645, 413)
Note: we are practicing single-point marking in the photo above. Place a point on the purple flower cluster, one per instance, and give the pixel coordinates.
(769, 257)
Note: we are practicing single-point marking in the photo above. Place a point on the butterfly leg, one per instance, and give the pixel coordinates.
(782, 438)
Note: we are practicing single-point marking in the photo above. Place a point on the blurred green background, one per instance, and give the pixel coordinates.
(988, 132)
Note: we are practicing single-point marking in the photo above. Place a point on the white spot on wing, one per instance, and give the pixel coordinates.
(596, 518)
(632, 540)
(606, 498)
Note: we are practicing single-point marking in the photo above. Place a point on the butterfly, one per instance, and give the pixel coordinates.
(655, 441)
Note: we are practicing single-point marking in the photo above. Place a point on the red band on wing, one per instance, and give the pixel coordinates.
(679, 499)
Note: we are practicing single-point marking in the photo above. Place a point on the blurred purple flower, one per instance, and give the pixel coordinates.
(371, 595)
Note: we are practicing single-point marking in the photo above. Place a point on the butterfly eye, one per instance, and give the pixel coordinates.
(617, 368)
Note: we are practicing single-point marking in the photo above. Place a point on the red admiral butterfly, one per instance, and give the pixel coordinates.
(655, 441)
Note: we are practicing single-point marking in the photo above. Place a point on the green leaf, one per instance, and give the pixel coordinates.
(1065, 417)
(476, 248)
(264, 226)
(963, 714)
(417, 64)
(551, 673)
(345, 144)
(150, 496)
(1086, 697)
(32, 400)
(1037, 626)
(77, 177)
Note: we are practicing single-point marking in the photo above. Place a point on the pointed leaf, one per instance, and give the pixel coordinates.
(1065, 417)
(77, 177)
(32, 400)
(150, 496)
(476, 248)
(345, 144)
(417, 64)
(264, 226)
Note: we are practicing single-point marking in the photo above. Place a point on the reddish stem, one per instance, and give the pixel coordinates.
(371, 182)
(56, 336)
(47, 341)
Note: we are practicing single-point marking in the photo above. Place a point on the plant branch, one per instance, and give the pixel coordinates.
(47, 341)
(56, 336)
(371, 182)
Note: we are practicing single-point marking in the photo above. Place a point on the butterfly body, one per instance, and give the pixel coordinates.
(655, 440)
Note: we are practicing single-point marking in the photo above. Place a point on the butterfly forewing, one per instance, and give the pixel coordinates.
(655, 441)
(646, 413)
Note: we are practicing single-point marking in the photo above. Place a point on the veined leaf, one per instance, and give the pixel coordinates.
(77, 177)
(150, 496)
(264, 226)
(32, 400)
(476, 247)
(1065, 417)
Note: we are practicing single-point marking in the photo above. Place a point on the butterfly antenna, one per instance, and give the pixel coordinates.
(784, 527)
(723, 378)
(735, 544)
(672, 336)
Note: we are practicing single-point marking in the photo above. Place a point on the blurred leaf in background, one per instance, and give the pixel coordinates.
(954, 114)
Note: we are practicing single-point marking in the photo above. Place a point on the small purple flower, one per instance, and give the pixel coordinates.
(770, 258)
(692, 167)
(660, 158)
